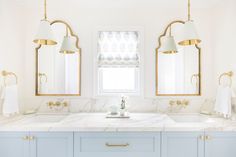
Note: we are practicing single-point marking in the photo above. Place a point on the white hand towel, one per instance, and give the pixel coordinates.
(10, 100)
(223, 103)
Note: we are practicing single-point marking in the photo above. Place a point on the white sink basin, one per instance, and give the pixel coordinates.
(188, 118)
(44, 119)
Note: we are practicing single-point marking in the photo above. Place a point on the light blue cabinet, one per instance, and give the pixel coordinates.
(53, 144)
(220, 144)
(117, 144)
(14, 144)
(36, 144)
(108, 144)
(182, 144)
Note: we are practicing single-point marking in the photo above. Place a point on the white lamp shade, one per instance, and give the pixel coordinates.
(168, 45)
(189, 35)
(68, 45)
(45, 35)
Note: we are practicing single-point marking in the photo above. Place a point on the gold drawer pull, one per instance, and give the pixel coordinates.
(28, 138)
(117, 145)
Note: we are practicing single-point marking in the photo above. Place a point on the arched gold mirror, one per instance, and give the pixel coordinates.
(58, 67)
(178, 68)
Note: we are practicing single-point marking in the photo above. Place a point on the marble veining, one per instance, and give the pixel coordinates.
(97, 122)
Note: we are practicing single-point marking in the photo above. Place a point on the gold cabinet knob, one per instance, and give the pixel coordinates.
(208, 137)
(201, 137)
(31, 138)
(26, 138)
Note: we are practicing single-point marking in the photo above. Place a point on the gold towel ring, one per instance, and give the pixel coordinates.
(6, 73)
(229, 74)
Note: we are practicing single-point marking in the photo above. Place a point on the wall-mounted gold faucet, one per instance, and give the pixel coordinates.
(183, 103)
(52, 104)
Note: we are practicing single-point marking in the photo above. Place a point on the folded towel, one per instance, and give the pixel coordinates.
(10, 100)
(223, 103)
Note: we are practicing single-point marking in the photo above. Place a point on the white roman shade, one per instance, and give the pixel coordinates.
(118, 48)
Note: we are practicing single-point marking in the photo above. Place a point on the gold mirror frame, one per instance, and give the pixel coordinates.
(79, 53)
(199, 59)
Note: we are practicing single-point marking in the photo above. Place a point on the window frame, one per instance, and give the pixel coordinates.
(140, 78)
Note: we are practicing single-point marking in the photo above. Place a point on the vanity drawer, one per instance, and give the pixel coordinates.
(116, 144)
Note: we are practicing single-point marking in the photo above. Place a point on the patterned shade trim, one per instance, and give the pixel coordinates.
(118, 48)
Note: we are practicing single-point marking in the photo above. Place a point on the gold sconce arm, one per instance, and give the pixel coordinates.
(166, 30)
(6, 73)
(68, 27)
(228, 74)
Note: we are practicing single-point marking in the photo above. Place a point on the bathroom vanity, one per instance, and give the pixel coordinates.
(143, 135)
(139, 144)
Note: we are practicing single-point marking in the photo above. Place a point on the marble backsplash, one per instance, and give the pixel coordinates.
(135, 105)
(145, 105)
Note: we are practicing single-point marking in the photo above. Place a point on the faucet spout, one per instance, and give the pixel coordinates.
(123, 102)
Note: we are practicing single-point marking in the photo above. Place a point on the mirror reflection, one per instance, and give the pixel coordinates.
(178, 72)
(58, 69)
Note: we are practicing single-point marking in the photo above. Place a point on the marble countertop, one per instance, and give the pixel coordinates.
(89, 122)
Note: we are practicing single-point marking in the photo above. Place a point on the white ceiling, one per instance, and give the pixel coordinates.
(122, 3)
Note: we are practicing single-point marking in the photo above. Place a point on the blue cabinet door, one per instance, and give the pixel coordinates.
(182, 144)
(51, 144)
(14, 144)
(220, 144)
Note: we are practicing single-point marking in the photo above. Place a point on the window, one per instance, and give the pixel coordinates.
(118, 62)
